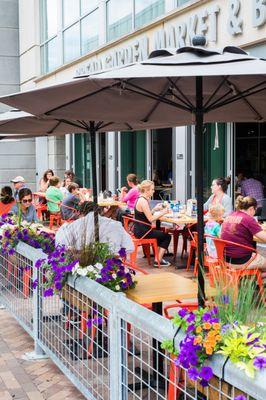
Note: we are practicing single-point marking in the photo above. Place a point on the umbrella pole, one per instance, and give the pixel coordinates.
(199, 186)
(94, 176)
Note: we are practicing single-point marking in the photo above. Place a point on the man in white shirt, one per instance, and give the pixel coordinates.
(81, 232)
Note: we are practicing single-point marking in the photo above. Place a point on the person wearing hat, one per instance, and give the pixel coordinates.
(19, 183)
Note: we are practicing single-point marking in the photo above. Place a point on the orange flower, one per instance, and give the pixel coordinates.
(211, 334)
(218, 337)
(197, 340)
(198, 329)
(216, 326)
(209, 350)
(207, 325)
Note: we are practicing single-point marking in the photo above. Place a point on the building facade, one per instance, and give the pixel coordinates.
(60, 39)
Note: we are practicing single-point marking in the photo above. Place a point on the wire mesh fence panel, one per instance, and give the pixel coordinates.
(75, 330)
(148, 372)
(16, 287)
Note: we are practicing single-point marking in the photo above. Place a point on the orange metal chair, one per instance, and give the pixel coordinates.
(55, 219)
(237, 274)
(143, 241)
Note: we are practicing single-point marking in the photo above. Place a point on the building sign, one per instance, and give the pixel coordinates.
(203, 22)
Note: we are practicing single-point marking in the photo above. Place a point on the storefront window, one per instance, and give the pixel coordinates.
(88, 5)
(90, 32)
(119, 18)
(133, 155)
(181, 2)
(49, 56)
(49, 19)
(72, 42)
(70, 11)
(147, 10)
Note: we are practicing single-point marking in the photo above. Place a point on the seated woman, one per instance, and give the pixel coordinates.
(219, 196)
(145, 214)
(44, 182)
(240, 227)
(81, 232)
(7, 200)
(130, 197)
(28, 212)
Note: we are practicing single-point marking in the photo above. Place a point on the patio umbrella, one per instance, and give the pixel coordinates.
(190, 85)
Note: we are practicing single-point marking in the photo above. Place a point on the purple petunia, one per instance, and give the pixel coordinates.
(94, 321)
(191, 318)
(193, 374)
(260, 362)
(48, 292)
(122, 253)
(240, 397)
(206, 373)
(183, 312)
(34, 284)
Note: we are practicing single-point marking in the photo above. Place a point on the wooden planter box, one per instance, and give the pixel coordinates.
(217, 391)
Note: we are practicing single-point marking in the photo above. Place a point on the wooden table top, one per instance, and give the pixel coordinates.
(166, 286)
(109, 203)
(182, 219)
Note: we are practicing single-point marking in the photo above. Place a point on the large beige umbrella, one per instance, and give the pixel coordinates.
(190, 85)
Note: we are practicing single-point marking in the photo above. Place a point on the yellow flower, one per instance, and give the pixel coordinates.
(198, 329)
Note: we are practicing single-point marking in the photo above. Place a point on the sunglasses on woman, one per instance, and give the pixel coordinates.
(24, 201)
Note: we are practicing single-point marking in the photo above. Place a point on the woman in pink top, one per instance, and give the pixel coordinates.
(240, 227)
(131, 196)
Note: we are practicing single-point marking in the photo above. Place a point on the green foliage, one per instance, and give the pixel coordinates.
(244, 306)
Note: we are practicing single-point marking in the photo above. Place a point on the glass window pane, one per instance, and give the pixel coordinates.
(147, 10)
(49, 19)
(181, 2)
(50, 56)
(119, 18)
(90, 32)
(70, 11)
(88, 5)
(71, 43)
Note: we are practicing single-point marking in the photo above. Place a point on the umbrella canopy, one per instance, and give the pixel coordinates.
(190, 85)
(159, 91)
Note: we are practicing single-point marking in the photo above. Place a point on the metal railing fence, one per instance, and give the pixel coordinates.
(107, 345)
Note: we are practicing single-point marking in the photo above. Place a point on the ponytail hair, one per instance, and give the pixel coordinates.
(243, 203)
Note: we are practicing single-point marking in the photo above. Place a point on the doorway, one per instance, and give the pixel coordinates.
(162, 169)
(250, 149)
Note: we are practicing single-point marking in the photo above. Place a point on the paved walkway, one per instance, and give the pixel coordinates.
(28, 380)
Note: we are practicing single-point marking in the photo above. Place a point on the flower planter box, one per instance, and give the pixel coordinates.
(218, 390)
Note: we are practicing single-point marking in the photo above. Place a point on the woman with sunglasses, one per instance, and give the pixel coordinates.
(28, 211)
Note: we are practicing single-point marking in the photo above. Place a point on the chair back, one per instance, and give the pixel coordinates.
(221, 245)
(129, 226)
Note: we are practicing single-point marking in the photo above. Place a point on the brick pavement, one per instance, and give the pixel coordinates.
(28, 380)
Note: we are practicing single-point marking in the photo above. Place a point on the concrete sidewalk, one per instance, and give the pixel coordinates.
(28, 380)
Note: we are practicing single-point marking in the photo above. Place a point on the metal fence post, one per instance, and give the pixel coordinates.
(115, 351)
(38, 352)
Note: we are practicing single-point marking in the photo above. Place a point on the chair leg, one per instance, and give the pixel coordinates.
(184, 247)
(26, 282)
(147, 252)
(196, 266)
(176, 238)
(191, 252)
(173, 392)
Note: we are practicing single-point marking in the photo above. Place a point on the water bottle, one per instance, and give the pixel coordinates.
(175, 211)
